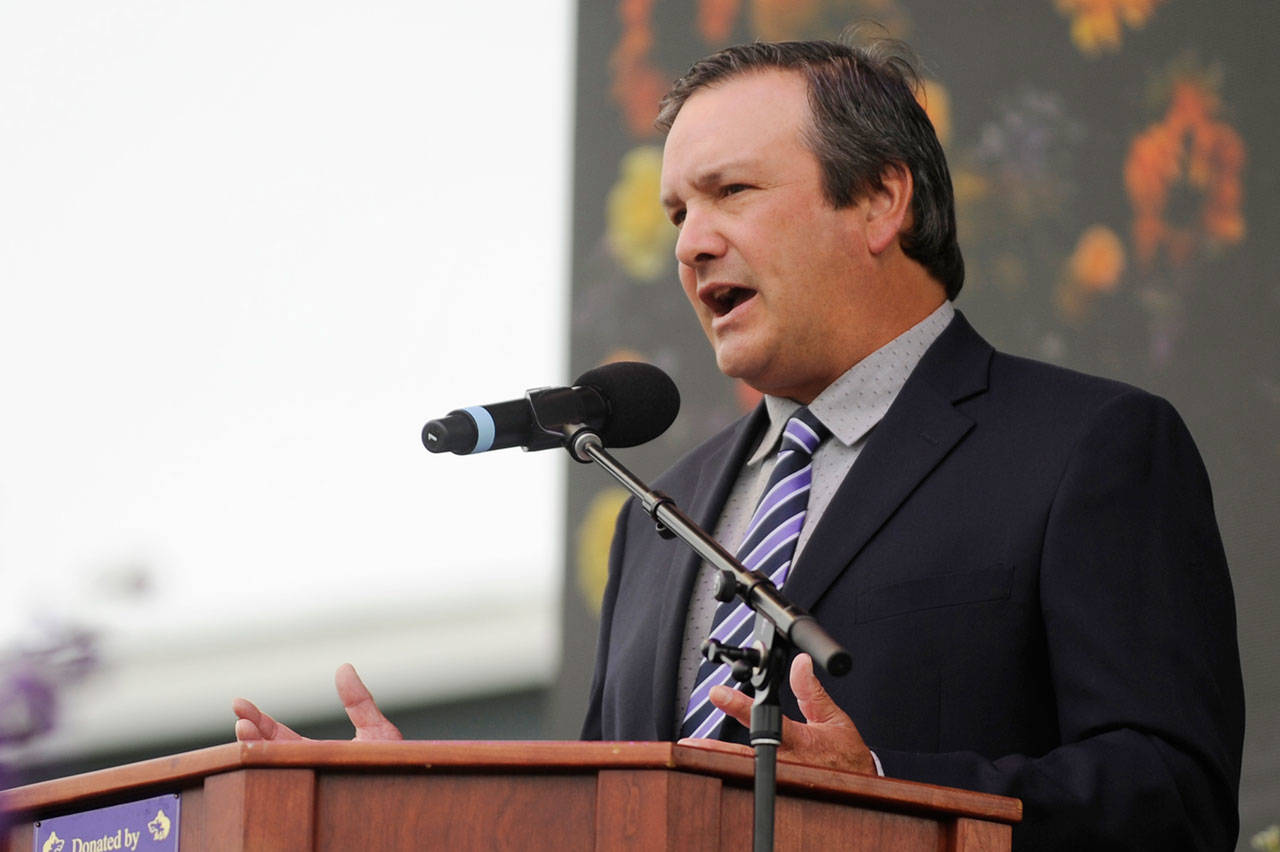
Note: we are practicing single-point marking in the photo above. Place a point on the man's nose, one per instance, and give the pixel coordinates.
(700, 239)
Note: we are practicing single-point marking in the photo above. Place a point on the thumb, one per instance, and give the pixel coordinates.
(369, 722)
(829, 738)
(816, 705)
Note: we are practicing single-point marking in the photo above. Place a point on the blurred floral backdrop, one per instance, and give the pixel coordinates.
(1116, 183)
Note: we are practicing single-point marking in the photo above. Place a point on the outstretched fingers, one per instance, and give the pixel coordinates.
(828, 737)
(815, 703)
(369, 722)
(733, 702)
(253, 724)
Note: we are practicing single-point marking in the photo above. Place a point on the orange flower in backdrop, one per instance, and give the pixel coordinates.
(1094, 268)
(716, 19)
(638, 85)
(1189, 152)
(1096, 24)
(1098, 260)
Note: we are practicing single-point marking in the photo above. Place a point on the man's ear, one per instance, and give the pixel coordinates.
(889, 207)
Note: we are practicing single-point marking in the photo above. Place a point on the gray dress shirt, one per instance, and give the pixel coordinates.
(850, 407)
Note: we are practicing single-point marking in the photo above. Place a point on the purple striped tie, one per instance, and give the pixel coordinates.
(767, 547)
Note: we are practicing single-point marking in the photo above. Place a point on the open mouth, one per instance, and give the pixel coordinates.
(722, 300)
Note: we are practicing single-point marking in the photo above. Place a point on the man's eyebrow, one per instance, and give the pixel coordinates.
(710, 178)
(707, 179)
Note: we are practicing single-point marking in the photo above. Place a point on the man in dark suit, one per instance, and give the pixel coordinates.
(1023, 561)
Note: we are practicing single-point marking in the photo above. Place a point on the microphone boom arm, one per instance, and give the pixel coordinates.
(784, 626)
(754, 588)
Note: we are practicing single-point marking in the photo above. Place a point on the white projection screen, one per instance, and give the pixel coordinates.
(248, 250)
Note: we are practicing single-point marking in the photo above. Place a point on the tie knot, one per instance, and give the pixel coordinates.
(803, 433)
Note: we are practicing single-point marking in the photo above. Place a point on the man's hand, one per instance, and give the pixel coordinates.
(370, 724)
(827, 737)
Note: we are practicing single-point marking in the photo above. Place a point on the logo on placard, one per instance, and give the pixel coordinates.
(159, 827)
(112, 828)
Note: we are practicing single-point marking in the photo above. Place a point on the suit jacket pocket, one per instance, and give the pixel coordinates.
(933, 592)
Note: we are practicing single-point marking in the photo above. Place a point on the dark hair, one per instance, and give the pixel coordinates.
(865, 118)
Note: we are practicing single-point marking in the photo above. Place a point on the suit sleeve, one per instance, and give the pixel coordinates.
(1139, 620)
(593, 724)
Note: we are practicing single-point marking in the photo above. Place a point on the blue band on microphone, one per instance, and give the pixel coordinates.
(485, 429)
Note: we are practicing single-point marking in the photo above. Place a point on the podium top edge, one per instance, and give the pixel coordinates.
(176, 772)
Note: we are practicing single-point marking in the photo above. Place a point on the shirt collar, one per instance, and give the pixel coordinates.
(853, 404)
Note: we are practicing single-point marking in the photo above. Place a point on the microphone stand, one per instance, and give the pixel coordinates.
(781, 627)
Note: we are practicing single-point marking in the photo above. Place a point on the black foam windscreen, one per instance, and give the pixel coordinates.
(642, 400)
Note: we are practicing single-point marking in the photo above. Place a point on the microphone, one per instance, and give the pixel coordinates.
(626, 403)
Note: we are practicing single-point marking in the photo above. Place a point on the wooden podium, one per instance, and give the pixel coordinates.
(260, 797)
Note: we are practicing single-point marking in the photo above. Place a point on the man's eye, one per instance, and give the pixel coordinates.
(734, 188)
(677, 218)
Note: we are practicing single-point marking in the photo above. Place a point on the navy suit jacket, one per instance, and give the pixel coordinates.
(1025, 565)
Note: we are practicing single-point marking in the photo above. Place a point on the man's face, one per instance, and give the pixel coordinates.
(772, 270)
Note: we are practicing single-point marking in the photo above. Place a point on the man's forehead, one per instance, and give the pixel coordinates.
(734, 124)
(778, 91)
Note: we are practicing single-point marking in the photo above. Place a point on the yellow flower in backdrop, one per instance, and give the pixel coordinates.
(1267, 840)
(595, 534)
(1096, 25)
(636, 228)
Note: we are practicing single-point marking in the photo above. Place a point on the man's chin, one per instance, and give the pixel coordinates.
(738, 364)
(764, 377)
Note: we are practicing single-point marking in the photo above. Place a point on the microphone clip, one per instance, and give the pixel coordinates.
(559, 413)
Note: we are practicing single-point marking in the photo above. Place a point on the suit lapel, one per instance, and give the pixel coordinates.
(919, 430)
(710, 489)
